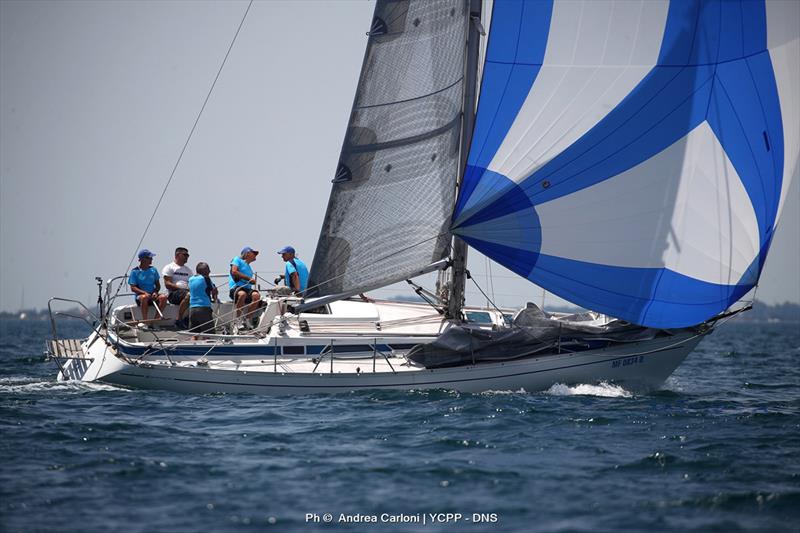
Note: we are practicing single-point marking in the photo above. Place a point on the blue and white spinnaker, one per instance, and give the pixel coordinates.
(633, 157)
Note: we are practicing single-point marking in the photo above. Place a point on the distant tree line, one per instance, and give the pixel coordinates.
(785, 312)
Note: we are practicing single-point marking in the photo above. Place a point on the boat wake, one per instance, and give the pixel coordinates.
(603, 389)
(504, 392)
(18, 384)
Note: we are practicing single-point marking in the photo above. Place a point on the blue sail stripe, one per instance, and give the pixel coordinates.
(657, 297)
(754, 13)
(589, 287)
(684, 19)
(516, 260)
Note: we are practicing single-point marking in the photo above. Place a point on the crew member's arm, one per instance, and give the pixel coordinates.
(238, 276)
(295, 282)
(169, 284)
(140, 292)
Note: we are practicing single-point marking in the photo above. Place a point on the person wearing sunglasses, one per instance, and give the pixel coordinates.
(176, 279)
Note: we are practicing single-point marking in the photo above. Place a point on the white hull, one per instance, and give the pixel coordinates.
(643, 365)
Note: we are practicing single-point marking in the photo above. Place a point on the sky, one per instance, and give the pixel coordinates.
(97, 100)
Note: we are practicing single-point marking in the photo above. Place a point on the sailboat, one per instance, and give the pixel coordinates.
(629, 157)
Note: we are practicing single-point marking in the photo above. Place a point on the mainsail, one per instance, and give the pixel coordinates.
(392, 199)
(632, 157)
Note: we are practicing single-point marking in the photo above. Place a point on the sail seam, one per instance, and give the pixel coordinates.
(459, 80)
(408, 140)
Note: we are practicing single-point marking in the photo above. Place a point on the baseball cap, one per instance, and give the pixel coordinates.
(286, 250)
(144, 252)
(249, 249)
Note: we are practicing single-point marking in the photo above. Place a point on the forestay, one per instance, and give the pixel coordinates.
(393, 193)
(632, 157)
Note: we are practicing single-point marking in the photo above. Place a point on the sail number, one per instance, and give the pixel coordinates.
(635, 360)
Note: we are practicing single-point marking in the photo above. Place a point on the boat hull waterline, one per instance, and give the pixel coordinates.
(637, 366)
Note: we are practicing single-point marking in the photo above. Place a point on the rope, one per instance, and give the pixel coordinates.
(185, 144)
(469, 276)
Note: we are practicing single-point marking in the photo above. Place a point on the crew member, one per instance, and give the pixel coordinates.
(295, 271)
(201, 293)
(145, 285)
(176, 280)
(240, 281)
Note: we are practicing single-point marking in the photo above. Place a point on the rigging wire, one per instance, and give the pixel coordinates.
(486, 275)
(469, 276)
(185, 145)
(491, 277)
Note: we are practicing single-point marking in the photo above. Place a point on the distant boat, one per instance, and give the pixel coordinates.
(631, 158)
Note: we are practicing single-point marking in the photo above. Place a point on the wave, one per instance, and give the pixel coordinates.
(602, 389)
(503, 392)
(27, 384)
(761, 501)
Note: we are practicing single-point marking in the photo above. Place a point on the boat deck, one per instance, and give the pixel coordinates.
(66, 348)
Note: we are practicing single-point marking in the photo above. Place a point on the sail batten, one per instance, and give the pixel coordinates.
(632, 157)
(394, 187)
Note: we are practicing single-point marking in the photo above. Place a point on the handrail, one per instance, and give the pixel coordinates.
(69, 300)
(53, 316)
(330, 351)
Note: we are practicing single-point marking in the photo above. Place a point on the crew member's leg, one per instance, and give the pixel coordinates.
(184, 306)
(255, 302)
(144, 303)
(162, 302)
(241, 301)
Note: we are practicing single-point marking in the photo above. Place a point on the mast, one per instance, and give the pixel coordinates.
(459, 254)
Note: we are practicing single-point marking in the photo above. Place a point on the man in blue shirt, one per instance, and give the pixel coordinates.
(241, 280)
(145, 285)
(295, 272)
(201, 292)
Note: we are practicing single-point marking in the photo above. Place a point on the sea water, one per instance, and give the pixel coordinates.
(716, 449)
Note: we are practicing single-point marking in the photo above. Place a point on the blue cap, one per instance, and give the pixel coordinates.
(286, 250)
(144, 252)
(249, 249)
